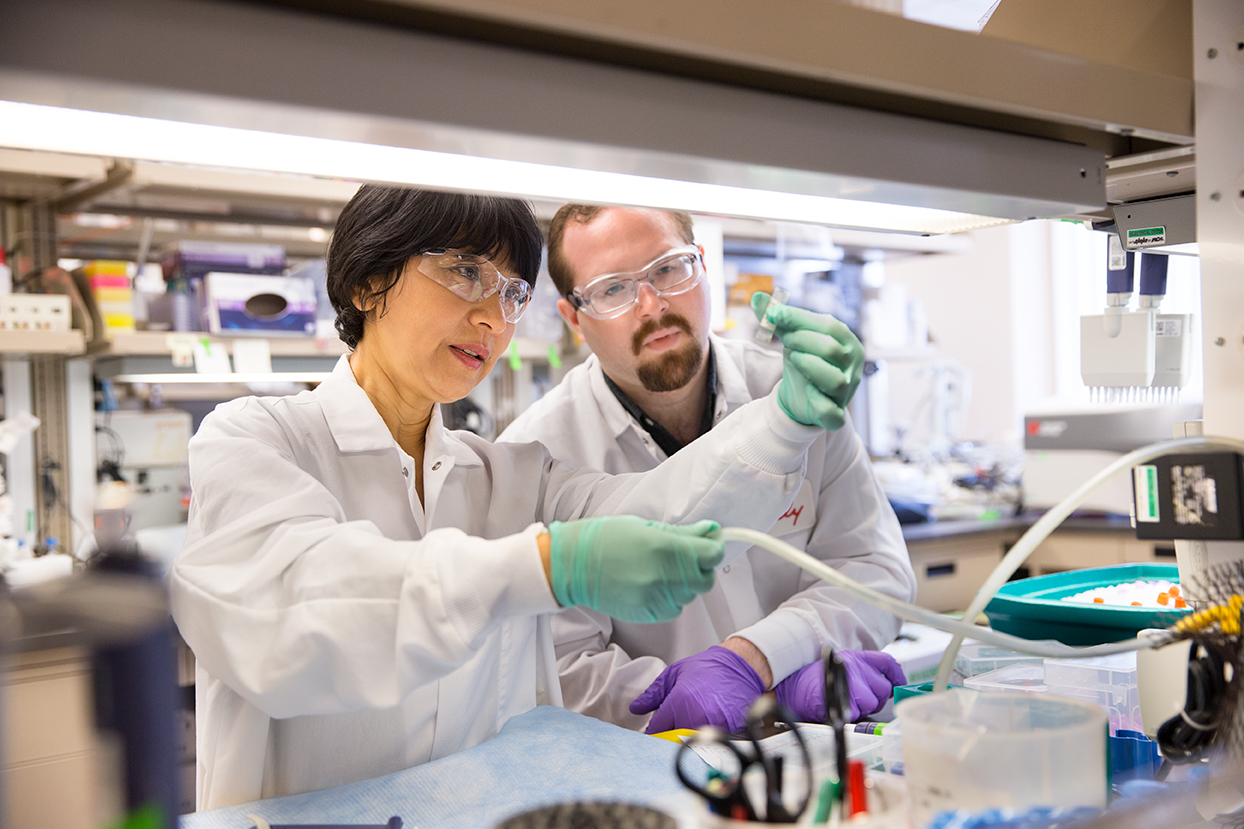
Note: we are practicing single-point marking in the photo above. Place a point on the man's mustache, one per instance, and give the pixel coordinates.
(667, 321)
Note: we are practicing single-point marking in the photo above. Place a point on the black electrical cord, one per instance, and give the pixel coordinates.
(1183, 737)
(52, 497)
(113, 457)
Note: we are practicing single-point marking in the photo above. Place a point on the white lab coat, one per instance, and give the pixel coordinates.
(840, 516)
(343, 630)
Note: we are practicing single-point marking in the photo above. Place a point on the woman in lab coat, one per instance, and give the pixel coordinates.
(365, 591)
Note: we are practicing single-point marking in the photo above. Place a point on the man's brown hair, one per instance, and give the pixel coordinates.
(559, 268)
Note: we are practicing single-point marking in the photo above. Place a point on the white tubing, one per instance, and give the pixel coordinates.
(922, 615)
(1048, 522)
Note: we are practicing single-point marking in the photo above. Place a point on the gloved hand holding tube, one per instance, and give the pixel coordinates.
(822, 363)
(630, 568)
(871, 677)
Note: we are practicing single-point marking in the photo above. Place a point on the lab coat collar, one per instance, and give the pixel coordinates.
(356, 426)
(448, 444)
(617, 418)
(732, 390)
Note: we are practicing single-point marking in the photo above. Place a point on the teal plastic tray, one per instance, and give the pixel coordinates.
(1033, 608)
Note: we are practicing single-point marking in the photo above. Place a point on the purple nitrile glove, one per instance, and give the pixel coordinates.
(712, 687)
(871, 677)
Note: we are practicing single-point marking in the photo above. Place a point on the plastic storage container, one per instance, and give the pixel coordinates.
(1023, 677)
(1107, 681)
(821, 748)
(1034, 608)
(892, 748)
(969, 750)
(976, 658)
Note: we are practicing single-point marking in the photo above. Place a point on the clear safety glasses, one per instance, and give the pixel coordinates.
(475, 279)
(613, 294)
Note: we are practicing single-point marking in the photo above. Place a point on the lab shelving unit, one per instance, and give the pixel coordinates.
(139, 353)
(34, 343)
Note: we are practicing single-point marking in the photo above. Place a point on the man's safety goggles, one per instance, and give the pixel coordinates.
(475, 279)
(613, 294)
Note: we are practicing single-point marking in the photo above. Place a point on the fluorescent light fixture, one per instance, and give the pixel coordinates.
(56, 129)
(221, 378)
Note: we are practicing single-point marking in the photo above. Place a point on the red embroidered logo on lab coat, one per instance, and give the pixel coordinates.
(801, 515)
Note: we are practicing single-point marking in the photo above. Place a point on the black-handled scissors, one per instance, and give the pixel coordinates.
(837, 704)
(724, 789)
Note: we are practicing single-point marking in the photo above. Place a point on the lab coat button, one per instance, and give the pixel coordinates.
(436, 466)
(726, 569)
(405, 472)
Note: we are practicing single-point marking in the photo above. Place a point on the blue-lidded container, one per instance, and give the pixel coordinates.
(1034, 608)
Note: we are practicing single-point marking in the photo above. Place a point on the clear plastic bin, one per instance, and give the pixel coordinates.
(964, 749)
(820, 742)
(892, 747)
(976, 658)
(1108, 681)
(1022, 676)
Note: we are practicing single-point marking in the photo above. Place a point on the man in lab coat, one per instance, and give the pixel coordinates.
(632, 287)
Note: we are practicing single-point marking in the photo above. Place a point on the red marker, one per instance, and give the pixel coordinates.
(855, 787)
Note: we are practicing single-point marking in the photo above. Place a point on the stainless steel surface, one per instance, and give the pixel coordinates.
(839, 52)
(1119, 430)
(1151, 175)
(1175, 214)
(52, 484)
(265, 67)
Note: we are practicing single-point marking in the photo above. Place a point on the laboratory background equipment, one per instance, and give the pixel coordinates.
(146, 451)
(1064, 446)
(1137, 355)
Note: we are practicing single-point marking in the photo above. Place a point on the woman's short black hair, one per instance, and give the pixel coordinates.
(381, 228)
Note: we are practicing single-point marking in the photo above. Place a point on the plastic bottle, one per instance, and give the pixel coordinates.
(183, 306)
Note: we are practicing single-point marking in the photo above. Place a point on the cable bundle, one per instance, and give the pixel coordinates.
(1213, 715)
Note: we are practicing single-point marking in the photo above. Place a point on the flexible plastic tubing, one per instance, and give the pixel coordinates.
(919, 614)
(1046, 524)
(1010, 563)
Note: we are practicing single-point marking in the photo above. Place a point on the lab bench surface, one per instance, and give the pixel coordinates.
(1016, 525)
(543, 757)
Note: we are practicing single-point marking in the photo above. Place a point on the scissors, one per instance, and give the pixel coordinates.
(724, 790)
(837, 704)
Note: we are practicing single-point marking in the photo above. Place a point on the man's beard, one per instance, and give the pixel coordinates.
(673, 369)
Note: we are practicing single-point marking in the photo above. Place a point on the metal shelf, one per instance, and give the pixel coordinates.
(159, 343)
(150, 353)
(65, 343)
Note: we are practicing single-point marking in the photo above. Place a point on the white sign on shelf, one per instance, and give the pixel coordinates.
(211, 357)
(252, 356)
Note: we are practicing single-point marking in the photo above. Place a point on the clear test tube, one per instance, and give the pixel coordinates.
(764, 333)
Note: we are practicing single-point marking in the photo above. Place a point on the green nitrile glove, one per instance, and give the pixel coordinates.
(632, 569)
(822, 364)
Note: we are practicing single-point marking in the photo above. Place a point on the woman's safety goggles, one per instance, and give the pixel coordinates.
(475, 279)
(613, 294)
